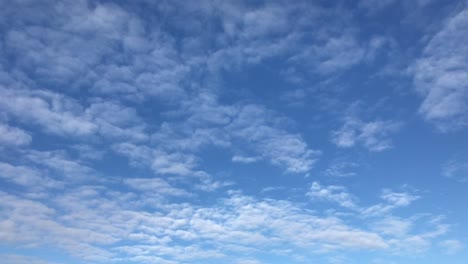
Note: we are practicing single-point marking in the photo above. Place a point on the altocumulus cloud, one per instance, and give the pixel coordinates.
(181, 132)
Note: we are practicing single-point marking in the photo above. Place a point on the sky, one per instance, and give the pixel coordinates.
(237, 132)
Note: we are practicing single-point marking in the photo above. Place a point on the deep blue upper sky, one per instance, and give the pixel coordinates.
(238, 132)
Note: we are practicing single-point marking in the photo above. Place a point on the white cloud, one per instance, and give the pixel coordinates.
(29, 177)
(62, 115)
(13, 136)
(441, 75)
(80, 49)
(62, 165)
(372, 135)
(255, 130)
(171, 163)
(244, 159)
(451, 246)
(155, 185)
(393, 226)
(341, 168)
(55, 113)
(271, 141)
(392, 200)
(93, 220)
(456, 169)
(332, 193)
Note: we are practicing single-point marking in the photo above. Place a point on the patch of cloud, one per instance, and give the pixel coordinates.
(451, 246)
(332, 193)
(99, 47)
(95, 219)
(155, 185)
(20, 259)
(373, 135)
(341, 168)
(441, 75)
(53, 112)
(393, 226)
(254, 129)
(271, 141)
(178, 165)
(29, 177)
(244, 159)
(392, 200)
(13, 136)
(456, 169)
(62, 115)
(63, 165)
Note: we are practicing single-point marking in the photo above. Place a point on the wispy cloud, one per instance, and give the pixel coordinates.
(451, 246)
(12, 136)
(373, 135)
(440, 75)
(332, 193)
(392, 200)
(456, 169)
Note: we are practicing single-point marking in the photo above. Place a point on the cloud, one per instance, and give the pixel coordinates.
(392, 200)
(456, 169)
(332, 193)
(100, 86)
(55, 113)
(80, 49)
(91, 221)
(393, 226)
(12, 136)
(440, 75)
(155, 185)
(255, 130)
(61, 164)
(341, 168)
(451, 246)
(19, 259)
(244, 159)
(33, 180)
(373, 135)
(271, 141)
(62, 115)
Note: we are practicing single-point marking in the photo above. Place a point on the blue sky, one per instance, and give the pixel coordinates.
(238, 132)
